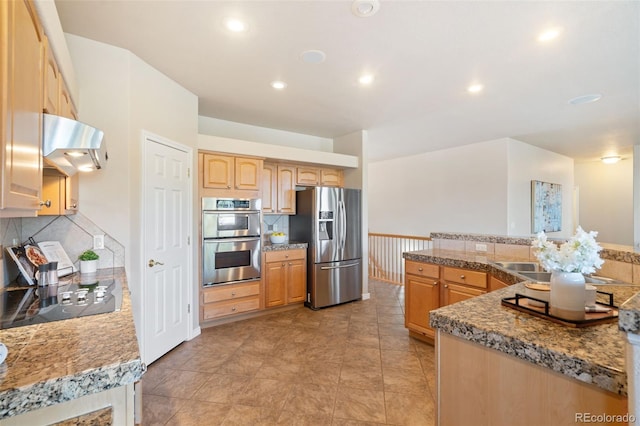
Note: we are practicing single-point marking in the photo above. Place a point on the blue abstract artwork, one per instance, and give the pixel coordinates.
(546, 206)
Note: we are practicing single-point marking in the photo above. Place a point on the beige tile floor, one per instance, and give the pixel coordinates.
(352, 364)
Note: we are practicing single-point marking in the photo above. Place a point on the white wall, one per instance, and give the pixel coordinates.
(527, 163)
(462, 189)
(479, 188)
(229, 129)
(122, 95)
(606, 200)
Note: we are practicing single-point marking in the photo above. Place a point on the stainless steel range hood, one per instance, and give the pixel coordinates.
(71, 146)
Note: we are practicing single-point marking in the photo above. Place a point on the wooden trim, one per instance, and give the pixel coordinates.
(412, 237)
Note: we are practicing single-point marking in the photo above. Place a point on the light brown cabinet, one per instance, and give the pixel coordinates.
(224, 300)
(21, 109)
(61, 192)
(429, 286)
(285, 277)
(462, 284)
(496, 284)
(318, 176)
(51, 79)
(231, 173)
(422, 295)
(278, 189)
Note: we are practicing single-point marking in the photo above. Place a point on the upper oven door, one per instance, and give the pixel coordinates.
(231, 259)
(231, 224)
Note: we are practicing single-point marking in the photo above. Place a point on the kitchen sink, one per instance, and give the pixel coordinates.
(536, 276)
(520, 266)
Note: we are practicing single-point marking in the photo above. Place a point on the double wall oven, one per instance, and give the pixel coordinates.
(230, 240)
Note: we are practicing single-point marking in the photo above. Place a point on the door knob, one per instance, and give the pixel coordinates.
(153, 263)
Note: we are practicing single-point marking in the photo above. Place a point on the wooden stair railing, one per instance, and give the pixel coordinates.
(385, 255)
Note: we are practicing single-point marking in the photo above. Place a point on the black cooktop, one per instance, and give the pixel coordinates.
(27, 305)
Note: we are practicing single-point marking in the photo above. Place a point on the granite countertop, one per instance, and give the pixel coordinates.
(292, 245)
(594, 354)
(59, 361)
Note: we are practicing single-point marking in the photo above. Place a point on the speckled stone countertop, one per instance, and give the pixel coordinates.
(63, 360)
(268, 246)
(594, 355)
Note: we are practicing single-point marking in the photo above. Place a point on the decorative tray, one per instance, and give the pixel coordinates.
(520, 302)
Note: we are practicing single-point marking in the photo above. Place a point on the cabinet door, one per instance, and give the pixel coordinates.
(50, 81)
(66, 104)
(52, 194)
(496, 284)
(72, 185)
(269, 188)
(296, 281)
(286, 190)
(454, 293)
(308, 176)
(423, 296)
(21, 108)
(274, 279)
(217, 171)
(331, 177)
(248, 172)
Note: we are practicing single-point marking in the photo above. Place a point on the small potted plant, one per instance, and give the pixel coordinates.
(88, 262)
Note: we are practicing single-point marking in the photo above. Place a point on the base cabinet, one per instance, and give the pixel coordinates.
(223, 300)
(422, 295)
(285, 277)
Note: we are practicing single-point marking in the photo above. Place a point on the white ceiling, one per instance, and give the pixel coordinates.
(423, 53)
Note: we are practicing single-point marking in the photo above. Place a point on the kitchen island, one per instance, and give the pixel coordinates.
(499, 366)
(79, 370)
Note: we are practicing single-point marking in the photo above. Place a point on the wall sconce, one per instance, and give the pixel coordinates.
(611, 159)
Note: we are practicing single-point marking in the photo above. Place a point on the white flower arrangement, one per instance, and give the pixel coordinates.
(579, 254)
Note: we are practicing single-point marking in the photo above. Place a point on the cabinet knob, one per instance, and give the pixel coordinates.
(435, 283)
(233, 293)
(283, 265)
(289, 263)
(420, 269)
(462, 277)
(229, 187)
(45, 203)
(286, 256)
(446, 286)
(233, 309)
(74, 206)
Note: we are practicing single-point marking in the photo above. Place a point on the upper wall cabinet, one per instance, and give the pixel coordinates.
(229, 173)
(278, 189)
(319, 176)
(20, 108)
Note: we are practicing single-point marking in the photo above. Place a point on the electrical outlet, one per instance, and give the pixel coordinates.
(98, 242)
(481, 247)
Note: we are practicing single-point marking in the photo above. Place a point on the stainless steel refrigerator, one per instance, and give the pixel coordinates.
(330, 220)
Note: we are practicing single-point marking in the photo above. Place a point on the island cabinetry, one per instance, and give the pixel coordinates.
(223, 300)
(462, 284)
(496, 284)
(422, 295)
(285, 277)
(278, 189)
(20, 109)
(319, 176)
(225, 172)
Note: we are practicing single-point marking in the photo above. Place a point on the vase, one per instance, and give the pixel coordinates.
(88, 266)
(568, 294)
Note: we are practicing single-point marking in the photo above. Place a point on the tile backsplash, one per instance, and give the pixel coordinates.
(74, 232)
(278, 223)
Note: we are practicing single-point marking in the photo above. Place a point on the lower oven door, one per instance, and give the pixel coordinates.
(226, 260)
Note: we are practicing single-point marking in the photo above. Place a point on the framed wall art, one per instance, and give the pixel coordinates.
(546, 206)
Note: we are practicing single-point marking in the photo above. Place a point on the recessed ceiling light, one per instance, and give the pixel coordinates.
(366, 79)
(475, 88)
(611, 159)
(548, 35)
(278, 85)
(313, 56)
(585, 99)
(235, 25)
(365, 8)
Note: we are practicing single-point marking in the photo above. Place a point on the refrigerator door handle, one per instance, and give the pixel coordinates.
(343, 223)
(339, 266)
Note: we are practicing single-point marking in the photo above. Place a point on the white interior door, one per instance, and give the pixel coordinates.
(167, 224)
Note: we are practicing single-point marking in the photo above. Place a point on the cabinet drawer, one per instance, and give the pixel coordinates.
(463, 276)
(231, 307)
(422, 269)
(282, 255)
(231, 291)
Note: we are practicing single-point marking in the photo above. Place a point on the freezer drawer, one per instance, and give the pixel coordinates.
(333, 283)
